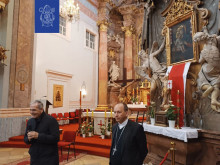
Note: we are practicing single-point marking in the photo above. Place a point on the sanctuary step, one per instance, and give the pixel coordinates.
(90, 145)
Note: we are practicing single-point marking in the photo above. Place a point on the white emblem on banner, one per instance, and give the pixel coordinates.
(47, 17)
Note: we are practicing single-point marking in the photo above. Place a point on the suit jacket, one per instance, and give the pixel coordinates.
(134, 144)
(44, 150)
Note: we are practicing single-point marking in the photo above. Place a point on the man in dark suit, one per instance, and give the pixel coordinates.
(129, 144)
(42, 133)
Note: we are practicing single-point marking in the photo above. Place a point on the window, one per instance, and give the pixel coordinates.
(62, 26)
(90, 40)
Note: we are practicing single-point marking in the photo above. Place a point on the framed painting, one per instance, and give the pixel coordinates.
(181, 28)
(57, 95)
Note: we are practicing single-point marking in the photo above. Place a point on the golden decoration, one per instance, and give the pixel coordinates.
(103, 25)
(129, 30)
(2, 54)
(176, 12)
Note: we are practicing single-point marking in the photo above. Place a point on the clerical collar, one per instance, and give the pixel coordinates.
(123, 124)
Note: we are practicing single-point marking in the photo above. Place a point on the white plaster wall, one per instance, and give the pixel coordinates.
(70, 56)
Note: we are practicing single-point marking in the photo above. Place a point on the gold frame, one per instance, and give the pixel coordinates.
(184, 12)
(57, 95)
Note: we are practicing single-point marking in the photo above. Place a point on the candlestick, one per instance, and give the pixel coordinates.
(80, 99)
(87, 113)
(133, 92)
(111, 112)
(178, 98)
(148, 99)
(92, 114)
(137, 91)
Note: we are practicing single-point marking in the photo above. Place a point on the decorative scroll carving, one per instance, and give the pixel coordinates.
(177, 10)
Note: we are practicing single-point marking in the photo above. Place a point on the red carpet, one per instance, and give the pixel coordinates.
(62, 159)
(90, 145)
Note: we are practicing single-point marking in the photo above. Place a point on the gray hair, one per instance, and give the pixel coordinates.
(40, 105)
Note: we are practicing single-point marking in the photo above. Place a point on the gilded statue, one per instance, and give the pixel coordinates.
(209, 75)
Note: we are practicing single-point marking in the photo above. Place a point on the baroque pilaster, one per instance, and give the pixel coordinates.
(103, 16)
(128, 22)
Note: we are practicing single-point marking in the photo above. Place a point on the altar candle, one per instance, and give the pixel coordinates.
(133, 92)
(111, 112)
(137, 91)
(87, 113)
(178, 98)
(105, 113)
(148, 99)
(92, 113)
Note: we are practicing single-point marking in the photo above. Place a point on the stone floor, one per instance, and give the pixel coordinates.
(8, 155)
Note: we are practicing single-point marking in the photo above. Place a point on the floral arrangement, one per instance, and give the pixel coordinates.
(90, 127)
(103, 129)
(152, 110)
(84, 128)
(171, 112)
(109, 127)
(134, 99)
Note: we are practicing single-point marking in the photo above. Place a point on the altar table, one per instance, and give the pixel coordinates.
(98, 117)
(183, 134)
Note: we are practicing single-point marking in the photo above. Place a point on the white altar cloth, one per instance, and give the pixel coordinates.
(183, 134)
(98, 117)
(136, 105)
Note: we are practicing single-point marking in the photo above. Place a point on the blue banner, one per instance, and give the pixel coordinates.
(46, 16)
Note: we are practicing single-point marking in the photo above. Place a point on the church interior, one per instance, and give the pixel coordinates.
(160, 57)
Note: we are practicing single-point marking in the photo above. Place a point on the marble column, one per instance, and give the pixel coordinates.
(103, 17)
(103, 65)
(128, 58)
(128, 22)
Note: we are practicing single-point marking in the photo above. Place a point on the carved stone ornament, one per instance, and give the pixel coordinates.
(103, 25)
(129, 30)
(113, 45)
(22, 75)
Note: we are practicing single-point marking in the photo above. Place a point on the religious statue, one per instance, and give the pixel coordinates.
(113, 72)
(165, 93)
(150, 62)
(209, 75)
(122, 95)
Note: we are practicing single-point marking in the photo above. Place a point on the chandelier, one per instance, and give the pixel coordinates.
(70, 10)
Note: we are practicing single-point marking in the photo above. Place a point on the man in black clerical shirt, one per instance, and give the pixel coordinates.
(42, 133)
(129, 144)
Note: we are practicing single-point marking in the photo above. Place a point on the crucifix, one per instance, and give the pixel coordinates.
(125, 80)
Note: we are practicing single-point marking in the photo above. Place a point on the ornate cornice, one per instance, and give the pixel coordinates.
(127, 9)
(129, 30)
(177, 10)
(103, 25)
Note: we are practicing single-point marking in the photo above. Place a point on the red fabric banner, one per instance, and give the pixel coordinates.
(176, 75)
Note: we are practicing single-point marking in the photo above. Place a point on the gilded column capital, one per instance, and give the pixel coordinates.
(103, 25)
(129, 30)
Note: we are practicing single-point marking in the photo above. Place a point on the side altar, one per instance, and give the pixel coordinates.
(99, 118)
